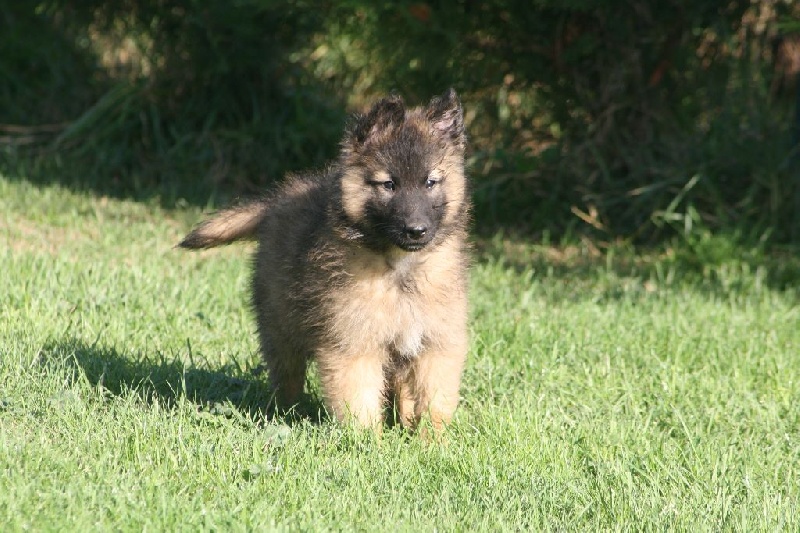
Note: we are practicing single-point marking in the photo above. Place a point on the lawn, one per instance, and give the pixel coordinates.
(636, 390)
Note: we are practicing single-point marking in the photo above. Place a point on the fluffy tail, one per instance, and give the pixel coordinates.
(226, 226)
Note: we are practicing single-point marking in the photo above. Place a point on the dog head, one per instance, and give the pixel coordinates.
(403, 182)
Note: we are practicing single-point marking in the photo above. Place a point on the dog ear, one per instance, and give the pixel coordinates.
(382, 115)
(447, 117)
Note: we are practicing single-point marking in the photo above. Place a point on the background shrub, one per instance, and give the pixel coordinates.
(630, 119)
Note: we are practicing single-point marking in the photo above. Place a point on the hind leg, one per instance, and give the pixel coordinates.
(404, 397)
(287, 381)
(287, 371)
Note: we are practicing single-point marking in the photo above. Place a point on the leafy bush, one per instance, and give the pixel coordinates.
(632, 119)
(608, 110)
(203, 93)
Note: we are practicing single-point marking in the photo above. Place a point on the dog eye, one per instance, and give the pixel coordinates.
(388, 185)
(429, 183)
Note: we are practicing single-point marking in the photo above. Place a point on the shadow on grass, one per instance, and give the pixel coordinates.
(227, 391)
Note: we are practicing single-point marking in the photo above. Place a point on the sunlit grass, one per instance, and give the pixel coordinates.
(634, 390)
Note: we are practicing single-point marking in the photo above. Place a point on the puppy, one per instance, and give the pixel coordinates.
(363, 267)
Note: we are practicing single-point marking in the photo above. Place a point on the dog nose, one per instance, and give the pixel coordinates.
(416, 232)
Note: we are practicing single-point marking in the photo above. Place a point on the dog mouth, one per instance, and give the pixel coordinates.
(411, 246)
(409, 241)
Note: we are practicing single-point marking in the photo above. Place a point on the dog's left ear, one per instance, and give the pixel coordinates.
(447, 118)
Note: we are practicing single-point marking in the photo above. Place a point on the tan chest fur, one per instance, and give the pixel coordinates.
(398, 303)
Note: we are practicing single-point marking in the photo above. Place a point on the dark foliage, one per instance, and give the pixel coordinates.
(633, 118)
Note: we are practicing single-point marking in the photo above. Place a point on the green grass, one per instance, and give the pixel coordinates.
(636, 391)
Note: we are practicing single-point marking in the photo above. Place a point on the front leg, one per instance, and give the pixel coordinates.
(436, 381)
(353, 386)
